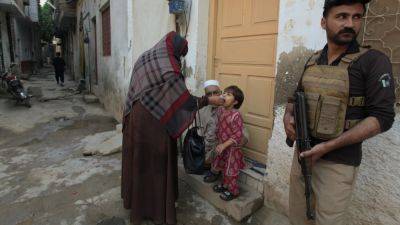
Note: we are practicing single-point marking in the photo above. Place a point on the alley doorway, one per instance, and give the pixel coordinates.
(94, 52)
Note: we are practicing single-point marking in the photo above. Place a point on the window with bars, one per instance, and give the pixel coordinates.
(106, 31)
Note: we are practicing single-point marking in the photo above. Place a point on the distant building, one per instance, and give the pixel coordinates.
(19, 34)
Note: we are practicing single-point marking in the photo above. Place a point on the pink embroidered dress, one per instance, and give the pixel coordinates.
(230, 161)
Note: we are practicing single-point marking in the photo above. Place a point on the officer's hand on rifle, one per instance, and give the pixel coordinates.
(316, 152)
(289, 123)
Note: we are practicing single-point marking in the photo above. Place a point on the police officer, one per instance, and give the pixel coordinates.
(350, 98)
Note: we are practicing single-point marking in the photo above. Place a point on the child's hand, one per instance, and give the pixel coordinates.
(220, 148)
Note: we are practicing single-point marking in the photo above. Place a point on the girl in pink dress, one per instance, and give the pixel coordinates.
(229, 160)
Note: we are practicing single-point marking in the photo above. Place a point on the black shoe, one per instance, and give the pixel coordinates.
(219, 188)
(227, 196)
(211, 177)
(62, 84)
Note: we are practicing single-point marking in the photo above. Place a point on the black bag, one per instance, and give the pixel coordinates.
(193, 151)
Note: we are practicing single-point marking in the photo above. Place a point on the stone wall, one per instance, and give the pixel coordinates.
(382, 31)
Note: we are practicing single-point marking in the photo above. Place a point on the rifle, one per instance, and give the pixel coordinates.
(302, 145)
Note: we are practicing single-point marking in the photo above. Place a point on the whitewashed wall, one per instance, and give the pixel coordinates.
(299, 24)
(23, 40)
(32, 11)
(150, 22)
(131, 36)
(111, 69)
(197, 36)
(135, 27)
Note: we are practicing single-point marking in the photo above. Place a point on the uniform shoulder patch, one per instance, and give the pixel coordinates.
(384, 80)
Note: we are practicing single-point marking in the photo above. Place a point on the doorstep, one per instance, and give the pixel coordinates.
(90, 98)
(249, 201)
(253, 179)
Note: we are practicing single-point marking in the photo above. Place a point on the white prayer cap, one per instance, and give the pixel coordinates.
(211, 83)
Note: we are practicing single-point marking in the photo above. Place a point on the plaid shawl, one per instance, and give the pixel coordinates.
(158, 84)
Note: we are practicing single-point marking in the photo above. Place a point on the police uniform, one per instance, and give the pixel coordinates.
(358, 84)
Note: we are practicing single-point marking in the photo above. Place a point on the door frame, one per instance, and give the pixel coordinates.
(2, 65)
(212, 34)
(94, 35)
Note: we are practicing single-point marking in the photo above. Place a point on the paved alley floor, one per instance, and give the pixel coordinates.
(45, 180)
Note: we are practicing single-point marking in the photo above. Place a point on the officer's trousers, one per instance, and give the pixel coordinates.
(332, 184)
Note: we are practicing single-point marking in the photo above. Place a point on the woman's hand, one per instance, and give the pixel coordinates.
(216, 100)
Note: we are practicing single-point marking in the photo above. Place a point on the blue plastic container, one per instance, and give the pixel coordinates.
(176, 6)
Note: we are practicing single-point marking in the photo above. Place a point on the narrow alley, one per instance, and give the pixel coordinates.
(46, 180)
(210, 82)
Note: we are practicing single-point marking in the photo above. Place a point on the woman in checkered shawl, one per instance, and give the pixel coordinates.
(158, 109)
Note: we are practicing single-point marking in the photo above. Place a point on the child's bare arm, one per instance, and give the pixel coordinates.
(221, 147)
(237, 129)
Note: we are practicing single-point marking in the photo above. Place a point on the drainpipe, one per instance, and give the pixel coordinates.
(86, 40)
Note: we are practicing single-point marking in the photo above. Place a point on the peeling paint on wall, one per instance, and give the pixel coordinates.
(197, 37)
(295, 44)
(311, 4)
(290, 68)
(294, 17)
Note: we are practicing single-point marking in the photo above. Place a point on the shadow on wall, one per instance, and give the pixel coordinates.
(290, 68)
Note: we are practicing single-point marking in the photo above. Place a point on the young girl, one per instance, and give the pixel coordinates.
(229, 160)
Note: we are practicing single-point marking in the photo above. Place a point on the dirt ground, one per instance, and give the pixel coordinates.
(45, 180)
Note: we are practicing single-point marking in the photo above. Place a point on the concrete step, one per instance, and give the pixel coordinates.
(111, 146)
(105, 143)
(118, 128)
(252, 179)
(249, 200)
(268, 215)
(90, 99)
(35, 91)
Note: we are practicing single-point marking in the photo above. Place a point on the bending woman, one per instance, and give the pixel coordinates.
(158, 109)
